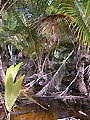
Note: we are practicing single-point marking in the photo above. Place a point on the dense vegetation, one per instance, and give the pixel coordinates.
(52, 39)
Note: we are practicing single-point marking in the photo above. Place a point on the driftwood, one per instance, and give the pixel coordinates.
(57, 78)
(48, 100)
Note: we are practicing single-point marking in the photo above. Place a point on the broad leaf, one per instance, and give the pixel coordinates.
(12, 89)
(13, 71)
(8, 89)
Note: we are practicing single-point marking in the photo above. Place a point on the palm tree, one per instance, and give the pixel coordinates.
(81, 31)
(14, 21)
(75, 16)
(58, 17)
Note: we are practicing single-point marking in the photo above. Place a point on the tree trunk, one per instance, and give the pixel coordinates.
(81, 57)
(2, 73)
(88, 87)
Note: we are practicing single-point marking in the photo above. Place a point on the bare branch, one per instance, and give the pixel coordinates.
(55, 78)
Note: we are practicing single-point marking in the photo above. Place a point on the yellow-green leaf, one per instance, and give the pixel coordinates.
(13, 70)
(12, 89)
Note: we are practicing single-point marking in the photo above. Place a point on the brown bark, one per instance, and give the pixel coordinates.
(88, 86)
(2, 73)
(81, 57)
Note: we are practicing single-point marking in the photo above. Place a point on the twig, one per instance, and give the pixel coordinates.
(35, 81)
(33, 44)
(64, 61)
(66, 90)
(23, 66)
(4, 6)
(12, 4)
(42, 76)
(45, 88)
(86, 67)
(33, 100)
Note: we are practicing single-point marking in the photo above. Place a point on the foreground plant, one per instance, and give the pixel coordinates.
(12, 87)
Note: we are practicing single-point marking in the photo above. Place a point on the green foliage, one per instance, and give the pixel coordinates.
(18, 23)
(12, 88)
(76, 21)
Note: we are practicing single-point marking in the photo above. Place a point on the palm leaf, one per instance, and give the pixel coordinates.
(77, 22)
(70, 15)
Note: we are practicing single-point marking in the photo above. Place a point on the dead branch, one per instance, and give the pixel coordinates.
(66, 90)
(57, 78)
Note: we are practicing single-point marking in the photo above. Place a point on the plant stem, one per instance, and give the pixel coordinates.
(8, 116)
(4, 6)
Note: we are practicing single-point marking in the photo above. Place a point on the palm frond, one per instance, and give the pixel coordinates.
(77, 22)
(70, 15)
